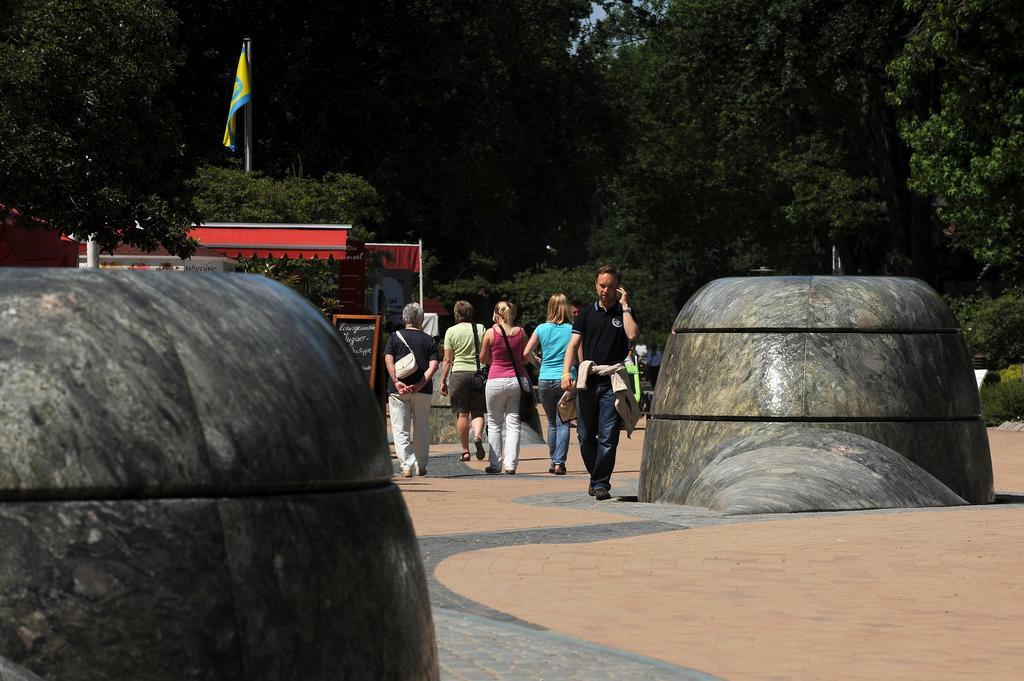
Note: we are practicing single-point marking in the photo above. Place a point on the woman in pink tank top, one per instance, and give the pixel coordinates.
(503, 388)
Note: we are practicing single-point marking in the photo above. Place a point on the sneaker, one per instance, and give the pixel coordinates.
(406, 472)
(479, 448)
(558, 469)
(510, 471)
(492, 471)
(601, 494)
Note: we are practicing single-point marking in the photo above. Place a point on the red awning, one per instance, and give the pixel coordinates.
(397, 256)
(248, 240)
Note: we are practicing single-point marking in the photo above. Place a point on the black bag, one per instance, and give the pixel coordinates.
(479, 381)
(527, 403)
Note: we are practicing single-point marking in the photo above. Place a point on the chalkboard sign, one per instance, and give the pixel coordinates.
(362, 334)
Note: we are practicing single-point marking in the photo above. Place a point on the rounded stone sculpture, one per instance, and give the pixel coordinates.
(195, 484)
(879, 357)
(778, 469)
(12, 672)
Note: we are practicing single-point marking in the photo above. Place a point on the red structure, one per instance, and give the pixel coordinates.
(268, 240)
(397, 256)
(35, 247)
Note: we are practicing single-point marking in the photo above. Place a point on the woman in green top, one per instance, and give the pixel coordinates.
(461, 358)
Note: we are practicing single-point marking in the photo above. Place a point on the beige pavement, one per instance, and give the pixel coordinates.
(906, 595)
(1007, 460)
(485, 504)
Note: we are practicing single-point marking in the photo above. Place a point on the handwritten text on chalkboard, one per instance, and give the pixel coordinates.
(361, 334)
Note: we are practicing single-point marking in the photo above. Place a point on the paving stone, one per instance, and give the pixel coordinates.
(471, 648)
(478, 642)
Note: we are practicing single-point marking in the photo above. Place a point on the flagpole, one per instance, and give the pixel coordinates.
(421, 274)
(247, 41)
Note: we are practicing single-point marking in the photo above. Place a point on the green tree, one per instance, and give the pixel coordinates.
(88, 140)
(757, 134)
(478, 123)
(992, 325)
(963, 63)
(230, 195)
(531, 290)
(315, 279)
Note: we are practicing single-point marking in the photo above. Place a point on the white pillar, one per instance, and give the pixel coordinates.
(92, 253)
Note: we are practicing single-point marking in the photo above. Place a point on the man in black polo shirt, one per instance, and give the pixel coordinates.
(605, 329)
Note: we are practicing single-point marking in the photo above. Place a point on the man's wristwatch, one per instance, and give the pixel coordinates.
(627, 309)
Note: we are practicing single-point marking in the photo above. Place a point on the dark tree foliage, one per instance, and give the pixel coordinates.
(478, 124)
(226, 195)
(759, 134)
(526, 143)
(968, 138)
(88, 141)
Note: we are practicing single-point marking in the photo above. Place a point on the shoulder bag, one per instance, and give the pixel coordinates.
(479, 382)
(407, 365)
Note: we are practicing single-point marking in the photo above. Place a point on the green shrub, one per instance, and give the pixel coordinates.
(992, 325)
(231, 195)
(1002, 402)
(1011, 374)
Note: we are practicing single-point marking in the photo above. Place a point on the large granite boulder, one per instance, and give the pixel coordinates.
(12, 672)
(195, 484)
(442, 420)
(879, 357)
(779, 469)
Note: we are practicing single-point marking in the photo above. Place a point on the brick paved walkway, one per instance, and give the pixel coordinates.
(532, 579)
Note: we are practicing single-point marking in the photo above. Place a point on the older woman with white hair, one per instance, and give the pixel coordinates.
(411, 360)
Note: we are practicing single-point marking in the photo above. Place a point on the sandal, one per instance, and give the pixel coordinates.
(465, 456)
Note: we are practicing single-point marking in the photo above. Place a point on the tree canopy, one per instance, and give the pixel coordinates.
(88, 139)
(230, 195)
(968, 139)
(528, 142)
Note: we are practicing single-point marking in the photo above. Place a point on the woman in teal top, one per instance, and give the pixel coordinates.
(552, 337)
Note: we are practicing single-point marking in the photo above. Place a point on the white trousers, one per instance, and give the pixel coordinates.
(502, 395)
(410, 428)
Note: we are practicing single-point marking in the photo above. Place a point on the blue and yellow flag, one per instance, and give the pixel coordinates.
(239, 98)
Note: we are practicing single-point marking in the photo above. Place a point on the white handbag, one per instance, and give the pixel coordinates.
(407, 365)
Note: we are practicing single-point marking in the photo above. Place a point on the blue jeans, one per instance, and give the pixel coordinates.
(598, 425)
(558, 432)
